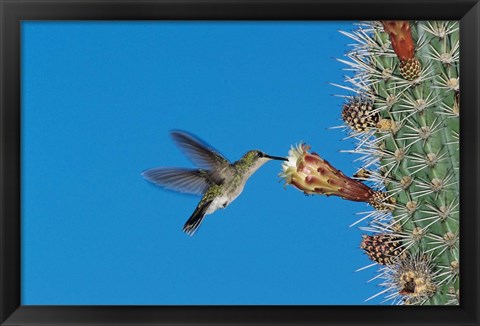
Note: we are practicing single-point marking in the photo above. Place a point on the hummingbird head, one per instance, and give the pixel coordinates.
(254, 159)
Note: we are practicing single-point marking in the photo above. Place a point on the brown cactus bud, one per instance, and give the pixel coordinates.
(381, 201)
(359, 115)
(381, 248)
(410, 68)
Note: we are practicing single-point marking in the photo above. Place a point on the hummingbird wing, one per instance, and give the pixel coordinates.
(203, 155)
(188, 181)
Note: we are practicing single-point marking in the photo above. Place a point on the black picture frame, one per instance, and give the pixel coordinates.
(13, 12)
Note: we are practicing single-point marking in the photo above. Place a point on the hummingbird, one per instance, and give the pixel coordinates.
(218, 181)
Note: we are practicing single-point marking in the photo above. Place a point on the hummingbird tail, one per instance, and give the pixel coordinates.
(194, 221)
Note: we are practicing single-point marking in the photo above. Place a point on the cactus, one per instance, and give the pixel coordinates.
(403, 113)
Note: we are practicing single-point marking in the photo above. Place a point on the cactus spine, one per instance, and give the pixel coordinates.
(405, 117)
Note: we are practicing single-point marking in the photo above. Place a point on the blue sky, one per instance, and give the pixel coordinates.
(98, 102)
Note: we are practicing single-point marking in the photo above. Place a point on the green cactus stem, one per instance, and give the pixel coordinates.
(408, 74)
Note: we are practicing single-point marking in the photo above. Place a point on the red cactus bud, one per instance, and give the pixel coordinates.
(311, 174)
(401, 38)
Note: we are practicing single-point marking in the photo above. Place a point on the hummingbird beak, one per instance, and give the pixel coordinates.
(278, 158)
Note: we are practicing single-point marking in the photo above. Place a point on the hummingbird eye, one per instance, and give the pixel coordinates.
(259, 154)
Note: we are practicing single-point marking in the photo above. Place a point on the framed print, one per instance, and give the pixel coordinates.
(239, 162)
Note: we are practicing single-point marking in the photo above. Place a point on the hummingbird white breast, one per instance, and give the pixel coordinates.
(224, 200)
